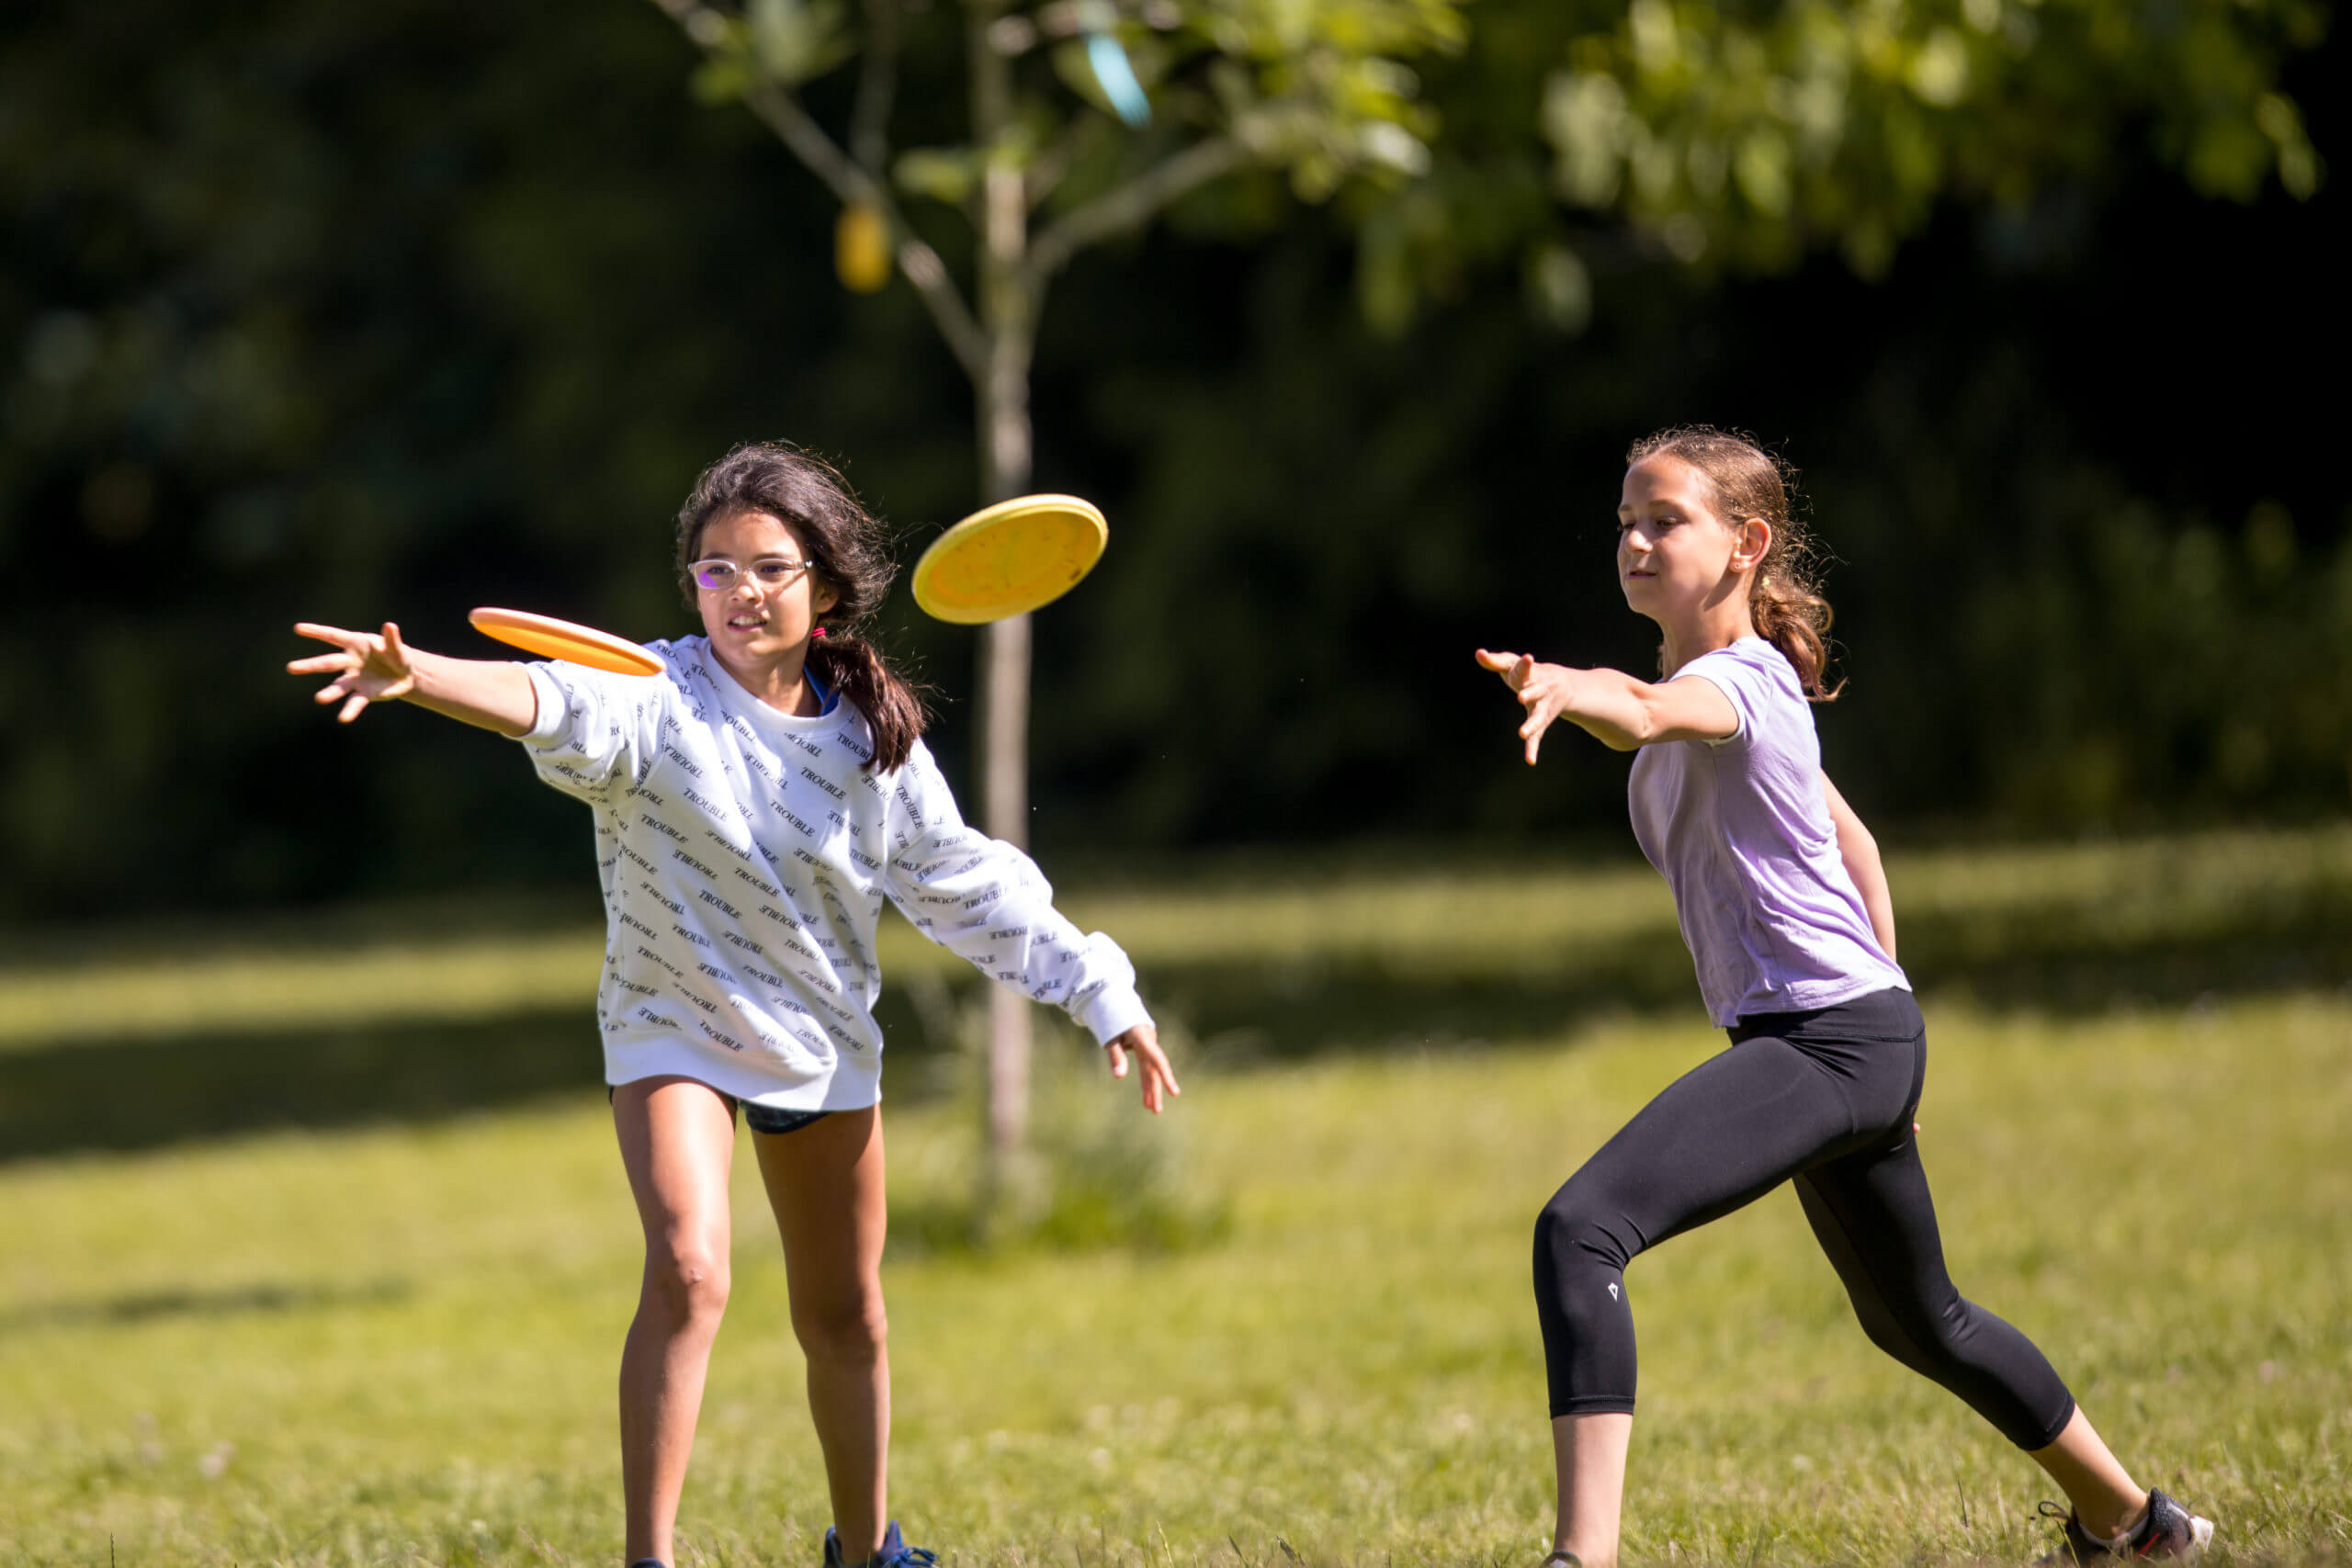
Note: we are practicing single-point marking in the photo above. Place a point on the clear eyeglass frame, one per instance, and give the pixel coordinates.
(770, 573)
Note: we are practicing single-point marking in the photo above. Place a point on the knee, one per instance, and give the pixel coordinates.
(1573, 1230)
(1923, 1336)
(850, 1329)
(686, 1286)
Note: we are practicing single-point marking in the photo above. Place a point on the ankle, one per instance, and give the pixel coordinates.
(2114, 1526)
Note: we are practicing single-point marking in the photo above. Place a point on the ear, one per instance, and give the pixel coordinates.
(823, 595)
(1754, 542)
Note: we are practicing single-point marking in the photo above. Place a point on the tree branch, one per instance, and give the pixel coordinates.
(877, 85)
(852, 184)
(1126, 206)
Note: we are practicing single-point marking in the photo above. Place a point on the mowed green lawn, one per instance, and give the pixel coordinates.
(399, 1345)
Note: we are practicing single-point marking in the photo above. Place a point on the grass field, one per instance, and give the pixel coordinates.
(396, 1342)
(398, 1345)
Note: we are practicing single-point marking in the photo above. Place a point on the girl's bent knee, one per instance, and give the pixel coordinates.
(688, 1288)
(853, 1332)
(1570, 1232)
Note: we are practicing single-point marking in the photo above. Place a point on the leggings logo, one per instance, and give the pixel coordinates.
(1613, 1290)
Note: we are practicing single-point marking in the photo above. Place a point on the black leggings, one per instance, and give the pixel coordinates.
(1824, 1097)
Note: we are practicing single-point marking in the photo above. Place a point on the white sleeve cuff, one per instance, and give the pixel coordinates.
(554, 710)
(1114, 1011)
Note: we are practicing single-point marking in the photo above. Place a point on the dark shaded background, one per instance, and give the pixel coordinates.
(307, 314)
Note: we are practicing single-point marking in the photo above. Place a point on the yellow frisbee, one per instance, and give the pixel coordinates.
(1009, 559)
(567, 640)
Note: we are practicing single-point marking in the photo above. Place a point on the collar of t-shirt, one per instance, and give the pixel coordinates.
(736, 696)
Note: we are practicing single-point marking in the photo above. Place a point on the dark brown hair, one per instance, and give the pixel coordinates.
(847, 553)
(1784, 594)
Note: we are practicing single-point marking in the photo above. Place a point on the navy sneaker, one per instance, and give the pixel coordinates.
(2169, 1531)
(894, 1551)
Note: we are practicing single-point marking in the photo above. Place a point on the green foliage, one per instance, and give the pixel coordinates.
(1748, 135)
(393, 311)
(1756, 131)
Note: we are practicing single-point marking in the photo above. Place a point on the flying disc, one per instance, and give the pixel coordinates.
(565, 640)
(1009, 559)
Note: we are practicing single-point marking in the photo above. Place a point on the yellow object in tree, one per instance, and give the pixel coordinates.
(861, 249)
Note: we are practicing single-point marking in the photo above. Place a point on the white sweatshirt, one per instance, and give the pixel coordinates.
(745, 854)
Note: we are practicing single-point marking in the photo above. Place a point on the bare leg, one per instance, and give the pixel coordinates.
(1589, 1453)
(824, 1182)
(2107, 1501)
(677, 1138)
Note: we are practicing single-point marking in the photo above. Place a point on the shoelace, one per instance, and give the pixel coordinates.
(2073, 1526)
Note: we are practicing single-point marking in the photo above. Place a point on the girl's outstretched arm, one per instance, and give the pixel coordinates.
(1616, 710)
(1860, 852)
(372, 667)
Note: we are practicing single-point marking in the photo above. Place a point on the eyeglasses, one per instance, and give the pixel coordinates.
(771, 573)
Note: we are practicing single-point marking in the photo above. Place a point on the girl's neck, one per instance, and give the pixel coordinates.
(1718, 621)
(781, 683)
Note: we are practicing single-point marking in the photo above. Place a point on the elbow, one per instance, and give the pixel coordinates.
(1644, 725)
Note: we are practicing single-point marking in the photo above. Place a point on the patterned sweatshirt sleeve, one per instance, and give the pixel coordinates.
(596, 734)
(982, 898)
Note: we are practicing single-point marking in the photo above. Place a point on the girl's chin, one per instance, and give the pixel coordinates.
(757, 642)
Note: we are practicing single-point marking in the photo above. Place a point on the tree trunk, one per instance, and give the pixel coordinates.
(1008, 322)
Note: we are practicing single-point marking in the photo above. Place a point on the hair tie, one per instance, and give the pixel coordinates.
(817, 635)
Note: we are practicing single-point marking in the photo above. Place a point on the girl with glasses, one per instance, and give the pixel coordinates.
(1784, 907)
(755, 805)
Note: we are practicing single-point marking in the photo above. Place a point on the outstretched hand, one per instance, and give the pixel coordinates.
(368, 666)
(1544, 690)
(1158, 1078)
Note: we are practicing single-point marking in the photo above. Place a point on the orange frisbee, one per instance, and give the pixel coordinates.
(567, 640)
(1009, 559)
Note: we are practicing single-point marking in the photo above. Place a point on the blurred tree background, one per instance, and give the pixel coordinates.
(348, 314)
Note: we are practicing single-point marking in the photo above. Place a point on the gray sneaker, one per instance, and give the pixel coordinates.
(2169, 1531)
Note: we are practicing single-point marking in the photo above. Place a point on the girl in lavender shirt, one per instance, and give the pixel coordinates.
(1785, 910)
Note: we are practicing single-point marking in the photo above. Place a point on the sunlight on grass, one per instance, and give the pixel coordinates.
(399, 1345)
(1458, 924)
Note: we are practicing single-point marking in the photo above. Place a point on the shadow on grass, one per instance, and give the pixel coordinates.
(1276, 1012)
(232, 1300)
(141, 1094)
(145, 1093)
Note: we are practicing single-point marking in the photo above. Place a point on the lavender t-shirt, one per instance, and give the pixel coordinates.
(1741, 829)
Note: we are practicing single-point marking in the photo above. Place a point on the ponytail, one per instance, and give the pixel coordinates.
(855, 668)
(1793, 617)
(1782, 596)
(846, 553)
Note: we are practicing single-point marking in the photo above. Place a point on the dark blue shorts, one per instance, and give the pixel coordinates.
(774, 1120)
